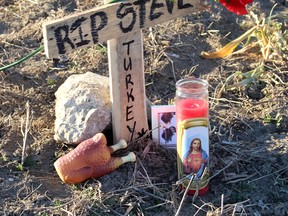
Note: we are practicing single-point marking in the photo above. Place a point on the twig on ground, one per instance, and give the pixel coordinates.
(129, 209)
(275, 100)
(26, 131)
(184, 195)
(153, 195)
(268, 175)
(236, 117)
(172, 66)
(236, 207)
(241, 179)
(229, 142)
(147, 176)
(146, 150)
(34, 2)
(156, 206)
(217, 173)
(67, 212)
(32, 192)
(222, 203)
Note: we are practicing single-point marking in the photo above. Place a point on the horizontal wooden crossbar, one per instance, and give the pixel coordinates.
(110, 21)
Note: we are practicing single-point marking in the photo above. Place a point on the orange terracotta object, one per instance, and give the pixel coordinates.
(91, 159)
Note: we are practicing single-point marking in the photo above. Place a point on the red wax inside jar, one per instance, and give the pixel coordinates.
(191, 108)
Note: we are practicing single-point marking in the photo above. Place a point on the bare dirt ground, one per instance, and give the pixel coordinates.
(249, 141)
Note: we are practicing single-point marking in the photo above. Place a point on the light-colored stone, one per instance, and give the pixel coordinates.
(83, 107)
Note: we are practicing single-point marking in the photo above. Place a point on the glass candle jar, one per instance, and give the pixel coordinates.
(192, 115)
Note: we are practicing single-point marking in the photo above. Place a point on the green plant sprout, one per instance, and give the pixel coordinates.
(277, 120)
(19, 167)
(4, 157)
(51, 81)
(57, 203)
(247, 77)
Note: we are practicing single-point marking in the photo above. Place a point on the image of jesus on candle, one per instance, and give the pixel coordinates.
(196, 160)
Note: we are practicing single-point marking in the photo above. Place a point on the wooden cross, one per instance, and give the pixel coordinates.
(120, 24)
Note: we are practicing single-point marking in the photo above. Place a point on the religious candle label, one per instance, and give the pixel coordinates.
(193, 152)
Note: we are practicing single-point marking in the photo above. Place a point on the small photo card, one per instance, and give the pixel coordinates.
(164, 125)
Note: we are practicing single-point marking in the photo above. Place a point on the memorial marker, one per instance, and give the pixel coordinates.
(120, 24)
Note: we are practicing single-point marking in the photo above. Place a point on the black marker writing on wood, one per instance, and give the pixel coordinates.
(86, 29)
(128, 67)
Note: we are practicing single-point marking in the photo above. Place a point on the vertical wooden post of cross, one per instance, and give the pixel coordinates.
(126, 71)
(127, 89)
(120, 24)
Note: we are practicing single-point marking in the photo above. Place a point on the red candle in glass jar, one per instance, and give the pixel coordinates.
(192, 108)
(192, 134)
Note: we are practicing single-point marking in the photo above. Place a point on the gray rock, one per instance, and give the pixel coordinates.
(83, 107)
